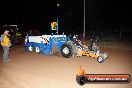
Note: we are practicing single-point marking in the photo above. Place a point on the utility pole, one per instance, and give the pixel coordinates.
(57, 26)
(84, 23)
(57, 19)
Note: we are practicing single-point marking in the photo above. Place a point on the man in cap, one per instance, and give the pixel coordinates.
(5, 42)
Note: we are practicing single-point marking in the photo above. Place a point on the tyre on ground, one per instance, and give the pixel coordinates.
(100, 59)
(66, 50)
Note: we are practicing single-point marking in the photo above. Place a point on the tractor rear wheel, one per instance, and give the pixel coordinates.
(66, 50)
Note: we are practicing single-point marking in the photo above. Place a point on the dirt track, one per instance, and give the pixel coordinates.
(32, 70)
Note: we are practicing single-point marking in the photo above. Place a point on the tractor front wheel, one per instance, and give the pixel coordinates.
(100, 59)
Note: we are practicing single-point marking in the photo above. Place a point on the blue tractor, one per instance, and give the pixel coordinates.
(44, 44)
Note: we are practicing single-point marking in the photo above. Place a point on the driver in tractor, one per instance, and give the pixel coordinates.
(80, 45)
(95, 47)
(74, 39)
(77, 41)
(94, 43)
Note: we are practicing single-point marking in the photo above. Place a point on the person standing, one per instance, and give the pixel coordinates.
(5, 42)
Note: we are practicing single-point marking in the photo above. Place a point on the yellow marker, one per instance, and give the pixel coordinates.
(53, 25)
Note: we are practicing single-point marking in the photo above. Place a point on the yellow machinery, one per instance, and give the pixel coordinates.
(84, 51)
(76, 48)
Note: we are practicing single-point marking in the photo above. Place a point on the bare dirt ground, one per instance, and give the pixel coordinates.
(33, 70)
